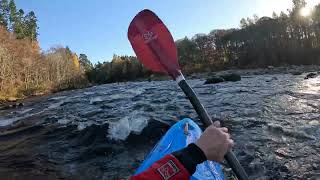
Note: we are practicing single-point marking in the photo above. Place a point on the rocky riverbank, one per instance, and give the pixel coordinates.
(295, 70)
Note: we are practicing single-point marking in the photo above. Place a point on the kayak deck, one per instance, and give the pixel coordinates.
(178, 137)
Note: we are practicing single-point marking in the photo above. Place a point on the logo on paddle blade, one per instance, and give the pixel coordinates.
(148, 36)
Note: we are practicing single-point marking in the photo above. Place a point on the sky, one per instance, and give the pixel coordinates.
(98, 28)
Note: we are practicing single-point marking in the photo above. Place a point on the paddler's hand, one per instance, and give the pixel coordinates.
(215, 142)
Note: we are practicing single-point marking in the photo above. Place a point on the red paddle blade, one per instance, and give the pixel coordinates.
(153, 43)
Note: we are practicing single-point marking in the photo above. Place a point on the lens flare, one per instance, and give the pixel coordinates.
(305, 11)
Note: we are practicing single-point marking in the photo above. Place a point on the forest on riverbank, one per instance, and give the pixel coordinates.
(287, 38)
(24, 69)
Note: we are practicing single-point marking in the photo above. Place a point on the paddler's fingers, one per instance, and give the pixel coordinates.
(217, 124)
(224, 129)
(215, 142)
(231, 143)
(227, 135)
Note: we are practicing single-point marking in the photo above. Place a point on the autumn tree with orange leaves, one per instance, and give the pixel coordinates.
(24, 70)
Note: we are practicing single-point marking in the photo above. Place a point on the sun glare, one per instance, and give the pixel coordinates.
(305, 11)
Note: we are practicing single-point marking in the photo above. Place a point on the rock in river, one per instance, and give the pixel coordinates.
(231, 77)
(214, 80)
(311, 75)
(225, 77)
(296, 73)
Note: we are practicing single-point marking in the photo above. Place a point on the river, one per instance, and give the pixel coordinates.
(104, 132)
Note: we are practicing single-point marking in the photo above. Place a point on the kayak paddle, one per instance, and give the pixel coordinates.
(155, 48)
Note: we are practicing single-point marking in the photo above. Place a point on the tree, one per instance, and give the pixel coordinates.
(4, 13)
(31, 26)
(298, 4)
(243, 23)
(19, 26)
(316, 15)
(13, 15)
(255, 18)
(24, 70)
(187, 51)
(85, 63)
(75, 61)
(205, 44)
(274, 15)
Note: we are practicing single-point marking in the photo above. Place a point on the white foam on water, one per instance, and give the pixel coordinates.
(119, 130)
(137, 122)
(89, 93)
(64, 121)
(136, 91)
(311, 86)
(55, 105)
(96, 99)
(314, 122)
(25, 111)
(116, 96)
(83, 125)
(6, 122)
(58, 98)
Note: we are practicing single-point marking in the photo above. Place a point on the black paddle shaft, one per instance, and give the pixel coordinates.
(205, 118)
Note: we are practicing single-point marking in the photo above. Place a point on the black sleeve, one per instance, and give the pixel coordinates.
(190, 157)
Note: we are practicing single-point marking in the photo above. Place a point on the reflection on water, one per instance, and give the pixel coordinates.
(311, 86)
(274, 119)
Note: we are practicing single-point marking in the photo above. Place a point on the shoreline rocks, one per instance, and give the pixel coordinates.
(295, 70)
(232, 77)
(5, 106)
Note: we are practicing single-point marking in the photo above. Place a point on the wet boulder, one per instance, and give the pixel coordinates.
(151, 133)
(214, 80)
(296, 73)
(311, 75)
(231, 77)
(222, 78)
